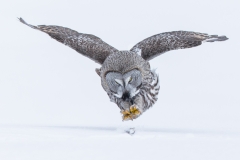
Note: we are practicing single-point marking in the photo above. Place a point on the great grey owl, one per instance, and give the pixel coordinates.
(126, 76)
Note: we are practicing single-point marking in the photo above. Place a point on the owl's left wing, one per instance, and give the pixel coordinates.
(85, 44)
(156, 45)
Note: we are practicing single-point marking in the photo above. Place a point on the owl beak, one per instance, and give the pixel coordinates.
(125, 96)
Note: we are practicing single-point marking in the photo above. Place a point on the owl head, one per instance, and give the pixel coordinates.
(122, 74)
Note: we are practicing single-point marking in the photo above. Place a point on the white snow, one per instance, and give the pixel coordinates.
(108, 143)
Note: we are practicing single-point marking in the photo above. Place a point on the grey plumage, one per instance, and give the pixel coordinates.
(126, 76)
(86, 44)
(163, 42)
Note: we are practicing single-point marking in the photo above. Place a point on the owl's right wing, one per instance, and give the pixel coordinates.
(86, 44)
(156, 45)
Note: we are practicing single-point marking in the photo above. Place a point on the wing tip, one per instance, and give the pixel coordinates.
(214, 38)
(24, 22)
(21, 20)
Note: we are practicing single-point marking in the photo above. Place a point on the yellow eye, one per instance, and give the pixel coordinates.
(130, 79)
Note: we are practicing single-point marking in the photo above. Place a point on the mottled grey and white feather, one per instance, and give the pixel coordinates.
(149, 92)
(158, 44)
(86, 44)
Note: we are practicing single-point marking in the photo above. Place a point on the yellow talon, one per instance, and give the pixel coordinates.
(126, 115)
(131, 114)
(134, 110)
(124, 112)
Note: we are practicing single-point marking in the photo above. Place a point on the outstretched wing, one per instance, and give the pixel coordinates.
(163, 42)
(86, 44)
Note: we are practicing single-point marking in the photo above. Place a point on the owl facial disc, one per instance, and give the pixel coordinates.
(124, 86)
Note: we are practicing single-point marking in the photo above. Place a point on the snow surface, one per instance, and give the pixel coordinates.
(108, 143)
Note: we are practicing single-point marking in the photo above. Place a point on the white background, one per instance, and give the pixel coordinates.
(44, 83)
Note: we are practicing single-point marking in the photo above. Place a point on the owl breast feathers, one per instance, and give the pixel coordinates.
(126, 76)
